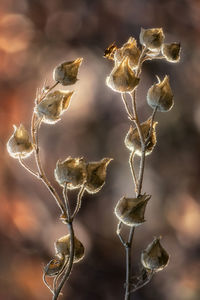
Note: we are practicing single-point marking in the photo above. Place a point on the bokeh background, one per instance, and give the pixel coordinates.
(35, 36)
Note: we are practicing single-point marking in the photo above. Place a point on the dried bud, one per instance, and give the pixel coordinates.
(122, 78)
(54, 266)
(62, 246)
(132, 139)
(129, 50)
(19, 144)
(96, 175)
(53, 106)
(154, 257)
(71, 171)
(152, 38)
(171, 52)
(66, 73)
(160, 95)
(131, 210)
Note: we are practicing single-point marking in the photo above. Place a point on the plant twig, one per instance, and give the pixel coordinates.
(119, 225)
(42, 175)
(130, 116)
(22, 163)
(78, 203)
(131, 163)
(70, 263)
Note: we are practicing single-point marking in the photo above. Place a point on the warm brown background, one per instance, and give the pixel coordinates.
(35, 36)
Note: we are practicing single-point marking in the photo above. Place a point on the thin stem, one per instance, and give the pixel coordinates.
(129, 263)
(59, 275)
(127, 107)
(131, 163)
(70, 264)
(22, 163)
(34, 132)
(138, 187)
(67, 206)
(142, 283)
(46, 283)
(119, 225)
(78, 203)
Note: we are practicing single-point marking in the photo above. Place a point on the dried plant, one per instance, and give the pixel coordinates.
(72, 173)
(140, 141)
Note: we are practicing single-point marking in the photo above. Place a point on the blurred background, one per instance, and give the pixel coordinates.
(37, 35)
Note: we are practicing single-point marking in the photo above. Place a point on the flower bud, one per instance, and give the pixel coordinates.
(54, 266)
(96, 175)
(53, 106)
(131, 211)
(171, 52)
(19, 144)
(66, 73)
(154, 257)
(71, 171)
(132, 139)
(152, 38)
(62, 246)
(129, 50)
(160, 95)
(122, 78)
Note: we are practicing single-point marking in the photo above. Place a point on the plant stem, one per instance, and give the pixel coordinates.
(42, 175)
(22, 163)
(138, 187)
(70, 263)
(78, 203)
(131, 163)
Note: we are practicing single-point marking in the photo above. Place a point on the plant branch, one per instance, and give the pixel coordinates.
(22, 163)
(70, 263)
(131, 163)
(78, 203)
(42, 175)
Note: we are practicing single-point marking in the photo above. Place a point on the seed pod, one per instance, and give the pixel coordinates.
(54, 266)
(171, 52)
(122, 78)
(129, 50)
(62, 246)
(155, 257)
(160, 95)
(66, 73)
(132, 139)
(131, 210)
(152, 38)
(19, 144)
(96, 175)
(71, 171)
(53, 106)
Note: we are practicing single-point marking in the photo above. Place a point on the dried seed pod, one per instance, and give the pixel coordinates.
(109, 52)
(62, 246)
(19, 144)
(54, 266)
(131, 210)
(96, 175)
(130, 50)
(171, 52)
(66, 73)
(122, 78)
(160, 95)
(152, 38)
(71, 171)
(155, 257)
(132, 139)
(53, 106)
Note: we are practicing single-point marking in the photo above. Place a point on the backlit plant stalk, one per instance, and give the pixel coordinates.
(71, 173)
(140, 140)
